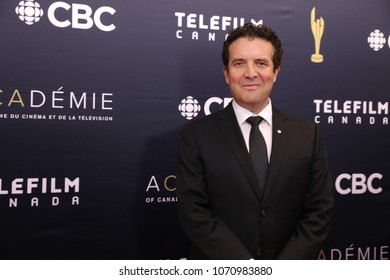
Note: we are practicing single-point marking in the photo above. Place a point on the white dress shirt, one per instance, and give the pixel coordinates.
(265, 126)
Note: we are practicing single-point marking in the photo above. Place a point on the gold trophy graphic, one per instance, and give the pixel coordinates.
(317, 28)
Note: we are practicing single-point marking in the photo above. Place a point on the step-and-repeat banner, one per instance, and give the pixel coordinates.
(93, 95)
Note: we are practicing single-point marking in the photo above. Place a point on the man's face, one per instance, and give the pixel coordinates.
(250, 74)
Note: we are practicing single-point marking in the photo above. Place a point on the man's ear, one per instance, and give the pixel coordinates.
(277, 70)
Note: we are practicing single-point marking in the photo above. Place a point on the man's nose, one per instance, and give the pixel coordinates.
(250, 72)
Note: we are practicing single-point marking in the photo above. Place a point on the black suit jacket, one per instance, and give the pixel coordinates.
(219, 202)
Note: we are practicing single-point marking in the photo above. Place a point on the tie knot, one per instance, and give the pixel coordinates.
(254, 120)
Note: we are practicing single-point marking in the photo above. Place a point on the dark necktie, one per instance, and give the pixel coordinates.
(258, 151)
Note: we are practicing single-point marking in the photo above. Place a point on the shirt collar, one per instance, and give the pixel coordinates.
(242, 114)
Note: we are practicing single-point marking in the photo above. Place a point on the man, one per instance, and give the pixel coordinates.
(228, 206)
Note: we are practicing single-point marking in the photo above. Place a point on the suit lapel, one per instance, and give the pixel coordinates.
(280, 138)
(229, 127)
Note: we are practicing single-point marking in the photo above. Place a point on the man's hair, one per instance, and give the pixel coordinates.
(252, 31)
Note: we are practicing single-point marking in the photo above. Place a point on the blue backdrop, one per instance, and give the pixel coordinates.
(93, 95)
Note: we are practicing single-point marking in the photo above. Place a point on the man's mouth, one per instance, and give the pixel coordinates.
(251, 86)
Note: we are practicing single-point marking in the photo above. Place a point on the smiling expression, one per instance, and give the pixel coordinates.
(250, 74)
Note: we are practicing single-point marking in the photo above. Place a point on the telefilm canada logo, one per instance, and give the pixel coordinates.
(67, 15)
(195, 26)
(36, 192)
(351, 112)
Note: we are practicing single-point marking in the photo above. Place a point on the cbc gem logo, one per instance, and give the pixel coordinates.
(29, 11)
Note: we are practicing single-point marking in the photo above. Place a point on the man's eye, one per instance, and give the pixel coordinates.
(238, 63)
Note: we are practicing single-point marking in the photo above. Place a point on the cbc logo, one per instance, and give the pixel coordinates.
(189, 106)
(29, 11)
(358, 183)
(377, 40)
(77, 16)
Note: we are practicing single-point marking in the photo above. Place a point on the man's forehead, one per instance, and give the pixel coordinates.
(245, 45)
(252, 54)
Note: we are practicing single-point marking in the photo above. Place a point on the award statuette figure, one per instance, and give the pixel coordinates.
(317, 28)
